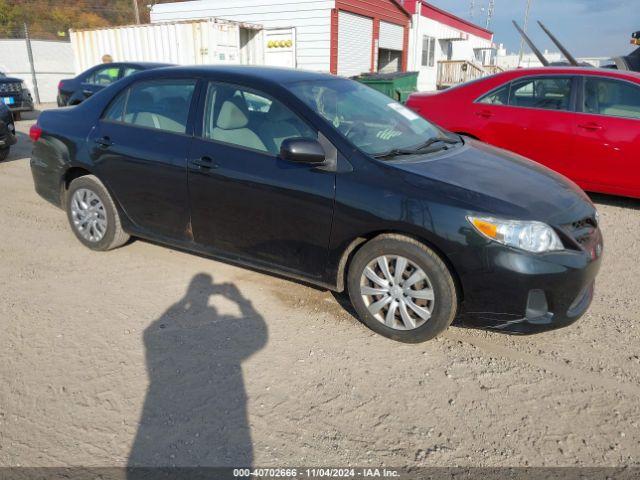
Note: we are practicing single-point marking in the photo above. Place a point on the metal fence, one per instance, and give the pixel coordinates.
(40, 63)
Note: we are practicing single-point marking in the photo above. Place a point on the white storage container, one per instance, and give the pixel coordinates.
(196, 42)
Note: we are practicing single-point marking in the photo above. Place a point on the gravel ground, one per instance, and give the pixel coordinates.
(151, 356)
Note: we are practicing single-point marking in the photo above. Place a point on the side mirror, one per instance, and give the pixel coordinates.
(302, 150)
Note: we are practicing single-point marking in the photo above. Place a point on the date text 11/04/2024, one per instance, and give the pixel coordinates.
(316, 473)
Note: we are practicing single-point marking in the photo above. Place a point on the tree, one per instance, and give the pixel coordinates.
(49, 19)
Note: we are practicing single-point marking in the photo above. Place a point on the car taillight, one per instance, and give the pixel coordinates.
(60, 85)
(35, 132)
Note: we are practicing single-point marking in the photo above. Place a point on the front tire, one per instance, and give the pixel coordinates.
(93, 215)
(402, 289)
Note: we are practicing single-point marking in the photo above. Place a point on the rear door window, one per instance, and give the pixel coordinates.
(497, 97)
(160, 105)
(548, 93)
(614, 98)
(130, 71)
(103, 76)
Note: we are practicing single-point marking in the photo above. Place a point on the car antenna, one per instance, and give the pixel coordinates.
(533, 48)
(564, 51)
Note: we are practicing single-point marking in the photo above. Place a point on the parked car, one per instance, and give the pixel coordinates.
(72, 91)
(326, 180)
(581, 122)
(7, 132)
(15, 95)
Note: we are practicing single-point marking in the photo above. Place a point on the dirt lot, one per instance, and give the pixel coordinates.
(153, 356)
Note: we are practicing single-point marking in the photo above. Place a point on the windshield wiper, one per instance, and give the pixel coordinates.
(433, 140)
(395, 152)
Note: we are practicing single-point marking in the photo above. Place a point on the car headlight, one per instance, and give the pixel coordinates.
(531, 236)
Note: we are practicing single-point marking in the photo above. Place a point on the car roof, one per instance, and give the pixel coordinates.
(251, 73)
(138, 64)
(609, 72)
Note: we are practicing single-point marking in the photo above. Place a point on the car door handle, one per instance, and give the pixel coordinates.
(591, 126)
(484, 114)
(87, 93)
(104, 142)
(204, 163)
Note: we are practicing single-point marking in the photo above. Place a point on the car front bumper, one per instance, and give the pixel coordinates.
(522, 293)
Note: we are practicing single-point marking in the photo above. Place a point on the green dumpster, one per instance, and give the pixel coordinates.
(397, 85)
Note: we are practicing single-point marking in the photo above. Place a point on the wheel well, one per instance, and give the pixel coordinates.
(357, 243)
(69, 176)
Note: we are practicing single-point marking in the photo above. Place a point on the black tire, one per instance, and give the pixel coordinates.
(445, 304)
(114, 235)
(4, 153)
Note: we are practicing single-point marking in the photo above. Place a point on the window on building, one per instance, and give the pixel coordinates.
(611, 97)
(428, 51)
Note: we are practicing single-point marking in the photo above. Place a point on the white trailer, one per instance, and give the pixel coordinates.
(193, 42)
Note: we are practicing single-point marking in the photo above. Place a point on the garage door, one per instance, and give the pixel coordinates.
(391, 36)
(355, 37)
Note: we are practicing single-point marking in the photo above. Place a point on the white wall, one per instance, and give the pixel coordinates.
(53, 61)
(312, 19)
(462, 49)
(511, 60)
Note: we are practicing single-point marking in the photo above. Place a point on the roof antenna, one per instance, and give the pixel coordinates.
(564, 51)
(533, 48)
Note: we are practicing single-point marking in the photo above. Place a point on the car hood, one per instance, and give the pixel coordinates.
(10, 80)
(491, 180)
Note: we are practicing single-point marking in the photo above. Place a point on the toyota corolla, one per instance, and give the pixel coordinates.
(324, 180)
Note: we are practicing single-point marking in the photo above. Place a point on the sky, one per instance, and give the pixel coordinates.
(588, 28)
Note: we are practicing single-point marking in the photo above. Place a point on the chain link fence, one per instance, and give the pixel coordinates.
(40, 63)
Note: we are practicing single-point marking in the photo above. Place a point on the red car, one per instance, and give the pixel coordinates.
(581, 122)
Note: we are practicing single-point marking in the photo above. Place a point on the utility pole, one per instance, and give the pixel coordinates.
(136, 11)
(33, 68)
(526, 21)
(490, 9)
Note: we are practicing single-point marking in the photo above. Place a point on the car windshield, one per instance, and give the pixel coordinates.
(373, 122)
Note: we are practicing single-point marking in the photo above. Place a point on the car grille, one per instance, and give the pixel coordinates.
(13, 87)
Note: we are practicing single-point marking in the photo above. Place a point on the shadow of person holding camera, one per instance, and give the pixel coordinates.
(195, 410)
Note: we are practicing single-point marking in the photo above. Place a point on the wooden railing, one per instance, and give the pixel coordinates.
(453, 72)
(491, 69)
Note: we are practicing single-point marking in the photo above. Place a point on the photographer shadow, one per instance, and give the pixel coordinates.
(195, 410)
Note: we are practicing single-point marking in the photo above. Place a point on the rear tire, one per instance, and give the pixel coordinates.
(416, 290)
(4, 153)
(93, 215)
